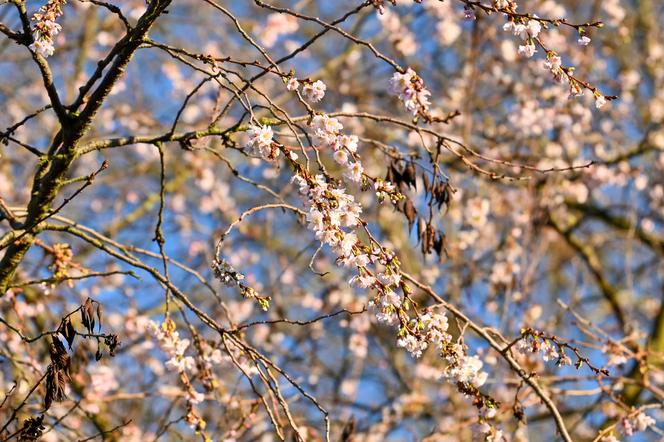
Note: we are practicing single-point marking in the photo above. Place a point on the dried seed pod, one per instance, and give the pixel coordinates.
(56, 381)
(100, 315)
(427, 183)
(112, 342)
(32, 429)
(410, 212)
(439, 244)
(409, 175)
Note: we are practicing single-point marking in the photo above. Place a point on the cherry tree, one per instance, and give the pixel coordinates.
(351, 220)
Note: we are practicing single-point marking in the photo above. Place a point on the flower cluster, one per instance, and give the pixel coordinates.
(533, 344)
(260, 142)
(631, 424)
(386, 190)
(584, 40)
(46, 28)
(430, 328)
(464, 368)
(504, 4)
(409, 88)
(315, 91)
(170, 343)
(225, 273)
(62, 260)
(553, 64)
(600, 100)
(331, 210)
(640, 422)
(528, 30)
(327, 132)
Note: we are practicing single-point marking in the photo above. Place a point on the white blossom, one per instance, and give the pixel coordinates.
(354, 172)
(43, 47)
(260, 141)
(643, 421)
(292, 84)
(527, 50)
(533, 27)
(600, 101)
(584, 40)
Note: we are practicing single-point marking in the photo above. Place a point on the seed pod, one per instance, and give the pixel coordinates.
(87, 315)
(409, 175)
(427, 183)
(100, 314)
(411, 213)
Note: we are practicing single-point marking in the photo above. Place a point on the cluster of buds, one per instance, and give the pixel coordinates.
(62, 260)
(46, 28)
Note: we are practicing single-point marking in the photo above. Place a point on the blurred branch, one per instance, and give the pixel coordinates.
(593, 263)
(603, 214)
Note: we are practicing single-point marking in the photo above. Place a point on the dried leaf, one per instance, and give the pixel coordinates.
(60, 359)
(68, 332)
(57, 349)
(56, 381)
(87, 315)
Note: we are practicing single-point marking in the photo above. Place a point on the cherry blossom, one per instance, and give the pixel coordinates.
(315, 91)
